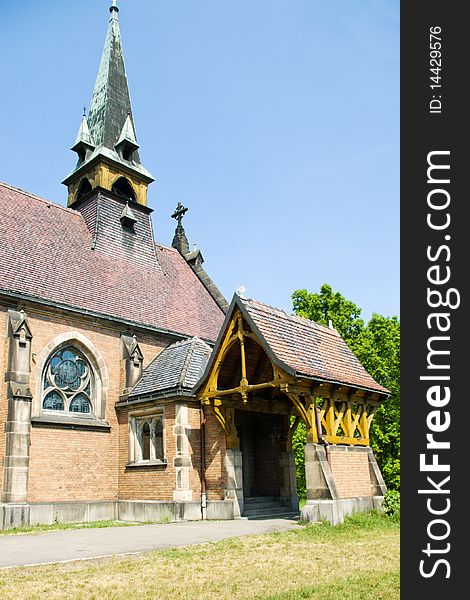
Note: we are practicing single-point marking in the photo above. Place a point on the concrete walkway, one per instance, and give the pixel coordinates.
(78, 544)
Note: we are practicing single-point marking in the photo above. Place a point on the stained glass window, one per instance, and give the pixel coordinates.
(68, 382)
(80, 404)
(53, 401)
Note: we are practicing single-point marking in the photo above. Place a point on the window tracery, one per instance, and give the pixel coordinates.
(68, 382)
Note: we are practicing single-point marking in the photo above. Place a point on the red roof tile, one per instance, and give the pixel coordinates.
(46, 252)
(308, 349)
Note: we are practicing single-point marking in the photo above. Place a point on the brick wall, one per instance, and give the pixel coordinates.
(158, 482)
(350, 468)
(152, 482)
(216, 477)
(68, 464)
(71, 465)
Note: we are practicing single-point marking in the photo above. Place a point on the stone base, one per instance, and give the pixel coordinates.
(140, 511)
(156, 511)
(14, 515)
(48, 513)
(334, 511)
(234, 490)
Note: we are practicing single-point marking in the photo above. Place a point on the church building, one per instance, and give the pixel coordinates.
(130, 388)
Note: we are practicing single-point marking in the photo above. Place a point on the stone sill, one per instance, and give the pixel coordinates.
(150, 464)
(62, 422)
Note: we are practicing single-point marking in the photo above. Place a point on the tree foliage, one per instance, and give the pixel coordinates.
(378, 349)
(329, 306)
(377, 346)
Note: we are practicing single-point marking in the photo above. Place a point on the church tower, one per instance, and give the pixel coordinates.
(106, 143)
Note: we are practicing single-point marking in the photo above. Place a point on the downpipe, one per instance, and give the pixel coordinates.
(202, 422)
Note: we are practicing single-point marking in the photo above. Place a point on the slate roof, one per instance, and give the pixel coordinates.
(302, 347)
(176, 369)
(46, 253)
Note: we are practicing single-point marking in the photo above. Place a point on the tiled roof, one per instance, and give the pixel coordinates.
(46, 253)
(306, 348)
(177, 369)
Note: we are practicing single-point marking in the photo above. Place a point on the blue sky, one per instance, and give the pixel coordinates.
(275, 121)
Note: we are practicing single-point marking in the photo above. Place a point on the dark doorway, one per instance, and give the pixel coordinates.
(260, 443)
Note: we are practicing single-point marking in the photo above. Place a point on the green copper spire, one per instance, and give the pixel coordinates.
(111, 102)
(108, 136)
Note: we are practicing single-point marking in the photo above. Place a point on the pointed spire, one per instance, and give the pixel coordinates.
(108, 135)
(111, 103)
(128, 133)
(83, 135)
(127, 143)
(180, 241)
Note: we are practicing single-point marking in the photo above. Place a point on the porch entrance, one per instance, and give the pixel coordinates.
(260, 437)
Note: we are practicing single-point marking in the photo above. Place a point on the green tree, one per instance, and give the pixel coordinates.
(377, 345)
(378, 349)
(329, 305)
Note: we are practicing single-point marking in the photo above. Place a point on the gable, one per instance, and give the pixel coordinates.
(296, 348)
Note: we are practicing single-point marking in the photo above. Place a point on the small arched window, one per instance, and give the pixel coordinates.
(123, 189)
(146, 442)
(158, 440)
(147, 439)
(68, 382)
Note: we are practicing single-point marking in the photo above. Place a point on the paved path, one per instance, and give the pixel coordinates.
(62, 546)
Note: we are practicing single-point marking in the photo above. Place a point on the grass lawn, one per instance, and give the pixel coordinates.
(358, 560)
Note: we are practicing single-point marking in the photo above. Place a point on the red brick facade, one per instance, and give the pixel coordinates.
(350, 469)
(72, 464)
(85, 464)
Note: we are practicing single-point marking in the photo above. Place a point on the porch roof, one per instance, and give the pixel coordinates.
(300, 347)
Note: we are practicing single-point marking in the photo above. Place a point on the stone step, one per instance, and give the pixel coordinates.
(262, 505)
(258, 512)
(272, 515)
(256, 499)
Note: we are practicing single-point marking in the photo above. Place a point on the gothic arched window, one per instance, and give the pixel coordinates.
(68, 382)
(146, 442)
(146, 438)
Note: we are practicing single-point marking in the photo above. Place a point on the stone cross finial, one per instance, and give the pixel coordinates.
(179, 213)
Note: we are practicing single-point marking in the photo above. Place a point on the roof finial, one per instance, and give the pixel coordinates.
(84, 111)
(114, 7)
(179, 213)
(180, 241)
(240, 291)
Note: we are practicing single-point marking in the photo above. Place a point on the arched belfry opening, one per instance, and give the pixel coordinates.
(84, 188)
(123, 189)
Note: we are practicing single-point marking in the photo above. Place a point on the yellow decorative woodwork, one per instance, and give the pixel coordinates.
(332, 413)
(104, 175)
